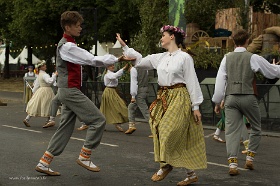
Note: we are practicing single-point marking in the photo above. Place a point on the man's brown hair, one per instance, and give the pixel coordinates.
(70, 18)
(240, 37)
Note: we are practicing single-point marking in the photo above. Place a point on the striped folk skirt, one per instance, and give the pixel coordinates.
(113, 107)
(40, 103)
(178, 140)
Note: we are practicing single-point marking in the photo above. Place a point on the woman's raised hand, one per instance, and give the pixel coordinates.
(118, 37)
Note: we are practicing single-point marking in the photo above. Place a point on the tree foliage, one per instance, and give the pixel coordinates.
(120, 16)
(204, 12)
(153, 14)
(37, 23)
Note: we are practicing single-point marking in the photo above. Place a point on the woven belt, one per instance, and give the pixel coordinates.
(162, 96)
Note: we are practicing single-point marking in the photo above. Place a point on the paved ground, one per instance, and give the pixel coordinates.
(124, 160)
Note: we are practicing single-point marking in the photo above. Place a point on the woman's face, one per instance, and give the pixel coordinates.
(166, 39)
(73, 30)
(111, 67)
(44, 67)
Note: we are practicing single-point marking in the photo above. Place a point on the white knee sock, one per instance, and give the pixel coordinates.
(28, 117)
(52, 118)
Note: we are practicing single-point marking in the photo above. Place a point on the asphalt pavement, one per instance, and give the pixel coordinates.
(125, 160)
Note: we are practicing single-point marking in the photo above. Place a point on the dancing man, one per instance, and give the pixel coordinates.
(236, 81)
(70, 57)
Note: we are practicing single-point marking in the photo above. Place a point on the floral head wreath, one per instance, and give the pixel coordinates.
(173, 29)
(41, 63)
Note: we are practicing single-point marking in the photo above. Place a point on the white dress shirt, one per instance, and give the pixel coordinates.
(133, 82)
(46, 78)
(257, 63)
(111, 78)
(74, 54)
(29, 74)
(172, 68)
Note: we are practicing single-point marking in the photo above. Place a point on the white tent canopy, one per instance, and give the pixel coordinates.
(22, 57)
(3, 57)
(117, 45)
(100, 50)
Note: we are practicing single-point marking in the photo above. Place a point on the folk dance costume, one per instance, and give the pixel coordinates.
(112, 105)
(139, 91)
(54, 108)
(236, 80)
(75, 104)
(178, 140)
(221, 127)
(39, 104)
(28, 90)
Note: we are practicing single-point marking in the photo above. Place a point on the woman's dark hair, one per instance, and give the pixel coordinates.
(179, 39)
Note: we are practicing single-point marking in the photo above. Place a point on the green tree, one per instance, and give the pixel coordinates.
(153, 14)
(204, 12)
(120, 16)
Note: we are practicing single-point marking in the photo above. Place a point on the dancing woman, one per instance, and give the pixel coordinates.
(175, 117)
(39, 104)
(112, 105)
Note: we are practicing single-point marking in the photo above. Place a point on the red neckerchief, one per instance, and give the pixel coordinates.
(69, 38)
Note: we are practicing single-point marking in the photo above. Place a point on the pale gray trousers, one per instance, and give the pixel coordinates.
(76, 104)
(54, 106)
(141, 103)
(235, 107)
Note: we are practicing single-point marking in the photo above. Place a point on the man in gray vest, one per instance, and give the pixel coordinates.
(138, 90)
(70, 57)
(236, 82)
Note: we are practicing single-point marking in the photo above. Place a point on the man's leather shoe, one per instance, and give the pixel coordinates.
(47, 171)
(249, 165)
(233, 171)
(83, 127)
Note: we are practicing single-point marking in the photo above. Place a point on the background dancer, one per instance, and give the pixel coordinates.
(39, 104)
(112, 105)
(236, 81)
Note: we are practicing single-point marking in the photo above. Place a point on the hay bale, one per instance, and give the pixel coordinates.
(273, 30)
(256, 44)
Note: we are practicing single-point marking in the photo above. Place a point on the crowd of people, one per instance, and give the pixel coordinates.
(174, 117)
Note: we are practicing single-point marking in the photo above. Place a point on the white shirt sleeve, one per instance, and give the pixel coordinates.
(36, 85)
(220, 84)
(148, 63)
(259, 64)
(48, 79)
(115, 75)
(133, 82)
(74, 54)
(192, 83)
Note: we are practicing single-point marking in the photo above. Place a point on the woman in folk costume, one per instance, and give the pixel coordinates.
(175, 117)
(39, 104)
(28, 87)
(112, 105)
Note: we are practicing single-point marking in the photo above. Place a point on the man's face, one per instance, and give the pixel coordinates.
(73, 30)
